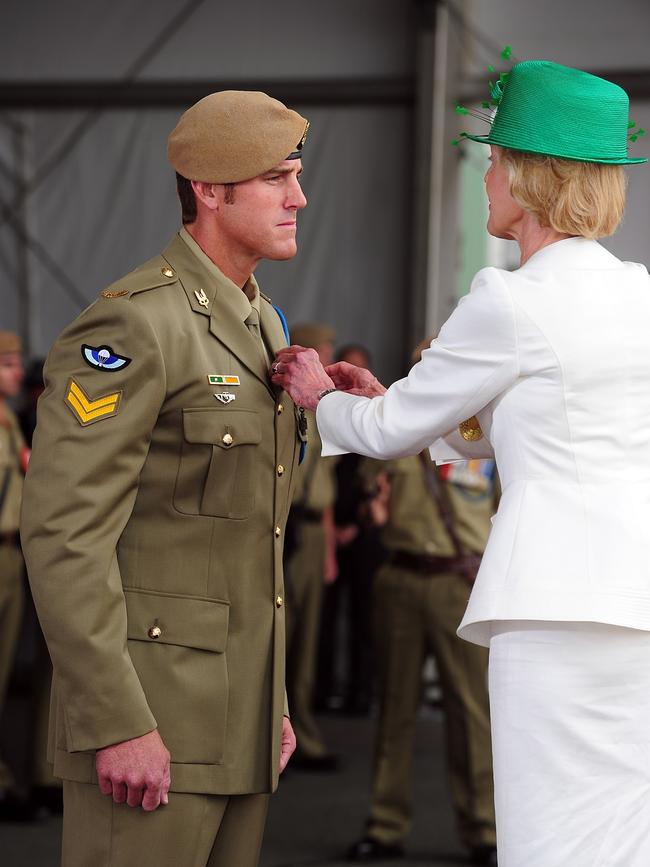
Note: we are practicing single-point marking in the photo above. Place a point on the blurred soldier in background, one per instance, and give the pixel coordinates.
(13, 463)
(32, 390)
(310, 559)
(345, 669)
(436, 523)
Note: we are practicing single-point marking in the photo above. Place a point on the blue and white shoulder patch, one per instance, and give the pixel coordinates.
(103, 358)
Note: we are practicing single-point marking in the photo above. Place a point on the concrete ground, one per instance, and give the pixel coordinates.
(313, 817)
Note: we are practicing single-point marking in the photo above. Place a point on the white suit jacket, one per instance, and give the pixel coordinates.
(554, 359)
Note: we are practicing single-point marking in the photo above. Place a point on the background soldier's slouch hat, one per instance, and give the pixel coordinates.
(312, 334)
(9, 342)
(235, 135)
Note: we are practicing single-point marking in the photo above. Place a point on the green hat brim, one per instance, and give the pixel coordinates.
(626, 161)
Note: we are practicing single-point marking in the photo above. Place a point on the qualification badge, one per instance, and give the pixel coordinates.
(103, 358)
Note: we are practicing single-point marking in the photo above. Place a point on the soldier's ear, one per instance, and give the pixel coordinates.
(209, 195)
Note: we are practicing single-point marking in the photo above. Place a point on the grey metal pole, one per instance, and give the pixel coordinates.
(23, 293)
(435, 230)
(442, 262)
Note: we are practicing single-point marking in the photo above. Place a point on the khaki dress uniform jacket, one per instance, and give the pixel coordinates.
(11, 561)
(153, 523)
(417, 612)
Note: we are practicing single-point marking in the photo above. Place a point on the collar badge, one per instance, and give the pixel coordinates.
(202, 298)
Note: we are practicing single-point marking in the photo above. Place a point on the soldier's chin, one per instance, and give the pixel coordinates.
(287, 250)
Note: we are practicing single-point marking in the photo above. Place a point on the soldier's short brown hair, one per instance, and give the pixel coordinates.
(187, 199)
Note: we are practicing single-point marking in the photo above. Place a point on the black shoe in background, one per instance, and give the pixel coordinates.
(49, 799)
(484, 856)
(327, 763)
(15, 808)
(369, 849)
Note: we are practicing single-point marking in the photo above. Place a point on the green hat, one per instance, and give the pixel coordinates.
(562, 112)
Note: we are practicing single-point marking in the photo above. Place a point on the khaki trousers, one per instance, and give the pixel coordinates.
(414, 615)
(304, 601)
(190, 831)
(11, 609)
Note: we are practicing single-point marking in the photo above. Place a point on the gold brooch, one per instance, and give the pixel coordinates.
(470, 430)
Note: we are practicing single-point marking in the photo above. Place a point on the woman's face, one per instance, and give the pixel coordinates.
(505, 214)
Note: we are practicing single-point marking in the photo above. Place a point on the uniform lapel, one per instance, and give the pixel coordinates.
(210, 296)
(227, 326)
(272, 329)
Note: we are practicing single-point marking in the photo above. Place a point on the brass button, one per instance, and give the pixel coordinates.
(278, 532)
(167, 272)
(280, 408)
(154, 632)
(227, 439)
(279, 602)
(280, 470)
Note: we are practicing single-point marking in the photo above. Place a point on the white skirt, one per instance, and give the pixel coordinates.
(570, 706)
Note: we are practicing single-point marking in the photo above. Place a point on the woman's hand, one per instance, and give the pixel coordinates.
(354, 380)
(299, 372)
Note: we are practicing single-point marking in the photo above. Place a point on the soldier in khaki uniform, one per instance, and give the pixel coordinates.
(310, 565)
(154, 514)
(431, 527)
(13, 456)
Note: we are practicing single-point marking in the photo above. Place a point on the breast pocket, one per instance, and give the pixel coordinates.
(216, 474)
(177, 645)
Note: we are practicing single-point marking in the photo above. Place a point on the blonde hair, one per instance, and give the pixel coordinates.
(570, 196)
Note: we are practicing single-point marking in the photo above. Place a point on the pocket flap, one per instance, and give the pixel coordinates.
(166, 618)
(225, 428)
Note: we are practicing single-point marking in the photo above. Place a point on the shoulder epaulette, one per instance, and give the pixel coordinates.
(151, 275)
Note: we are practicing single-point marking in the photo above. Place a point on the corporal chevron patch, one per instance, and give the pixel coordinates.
(87, 411)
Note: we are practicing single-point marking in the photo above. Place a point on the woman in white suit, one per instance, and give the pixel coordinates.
(548, 367)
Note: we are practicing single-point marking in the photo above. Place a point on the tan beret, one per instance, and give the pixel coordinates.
(311, 335)
(234, 135)
(10, 342)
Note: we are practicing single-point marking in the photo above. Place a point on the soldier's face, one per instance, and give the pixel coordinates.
(11, 374)
(261, 220)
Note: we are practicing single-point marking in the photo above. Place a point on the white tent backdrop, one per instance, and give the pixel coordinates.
(110, 203)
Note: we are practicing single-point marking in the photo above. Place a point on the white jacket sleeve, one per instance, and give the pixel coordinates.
(452, 448)
(473, 359)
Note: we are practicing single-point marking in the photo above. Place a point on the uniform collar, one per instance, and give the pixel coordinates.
(211, 294)
(242, 299)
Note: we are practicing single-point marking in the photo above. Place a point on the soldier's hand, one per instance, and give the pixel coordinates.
(288, 743)
(299, 372)
(136, 771)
